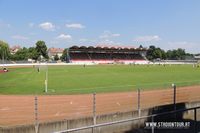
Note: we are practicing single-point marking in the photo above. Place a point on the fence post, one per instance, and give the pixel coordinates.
(195, 120)
(94, 111)
(174, 100)
(36, 114)
(139, 110)
(94, 108)
(152, 121)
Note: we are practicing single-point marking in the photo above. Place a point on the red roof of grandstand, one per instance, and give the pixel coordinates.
(115, 46)
(105, 47)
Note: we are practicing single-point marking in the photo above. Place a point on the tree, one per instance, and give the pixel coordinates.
(140, 46)
(41, 48)
(150, 52)
(154, 53)
(164, 55)
(4, 50)
(177, 54)
(169, 54)
(64, 55)
(157, 53)
(21, 54)
(32, 53)
(56, 57)
(181, 54)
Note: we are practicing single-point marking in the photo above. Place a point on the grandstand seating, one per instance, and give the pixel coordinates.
(105, 54)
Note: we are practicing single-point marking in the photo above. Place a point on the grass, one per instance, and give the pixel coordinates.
(99, 78)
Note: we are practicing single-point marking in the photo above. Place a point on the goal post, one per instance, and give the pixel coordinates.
(43, 67)
(46, 78)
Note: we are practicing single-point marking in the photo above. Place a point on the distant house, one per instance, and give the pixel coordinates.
(14, 49)
(55, 51)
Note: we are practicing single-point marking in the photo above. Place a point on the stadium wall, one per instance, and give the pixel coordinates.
(175, 62)
(50, 127)
(72, 63)
(95, 62)
(109, 61)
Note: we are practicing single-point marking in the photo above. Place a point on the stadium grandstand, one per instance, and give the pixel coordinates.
(106, 55)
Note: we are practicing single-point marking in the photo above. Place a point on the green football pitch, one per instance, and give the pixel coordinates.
(96, 78)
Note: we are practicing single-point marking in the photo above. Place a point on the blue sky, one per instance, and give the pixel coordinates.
(168, 24)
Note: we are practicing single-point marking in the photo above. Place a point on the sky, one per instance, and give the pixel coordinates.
(168, 24)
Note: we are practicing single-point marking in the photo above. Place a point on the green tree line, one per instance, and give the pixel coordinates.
(175, 54)
(35, 53)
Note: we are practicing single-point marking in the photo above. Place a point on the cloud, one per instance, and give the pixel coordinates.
(147, 38)
(19, 37)
(47, 26)
(75, 26)
(107, 34)
(64, 37)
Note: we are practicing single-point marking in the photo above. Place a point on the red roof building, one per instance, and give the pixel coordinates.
(55, 51)
(14, 49)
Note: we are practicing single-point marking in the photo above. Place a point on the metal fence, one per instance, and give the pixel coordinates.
(19, 110)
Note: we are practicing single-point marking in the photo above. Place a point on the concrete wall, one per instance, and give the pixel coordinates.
(18, 129)
(190, 114)
(50, 127)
